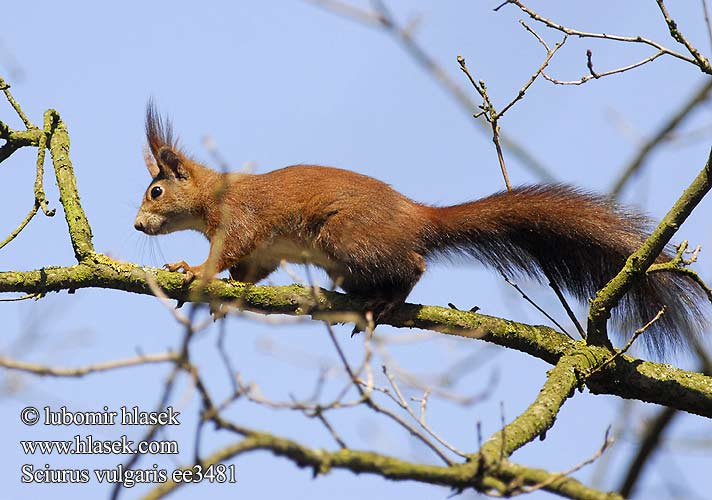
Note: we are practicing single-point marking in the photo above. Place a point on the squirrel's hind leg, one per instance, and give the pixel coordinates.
(250, 271)
(385, 293)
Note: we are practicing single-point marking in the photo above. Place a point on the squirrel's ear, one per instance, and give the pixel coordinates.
(151, 164)
(172, 164)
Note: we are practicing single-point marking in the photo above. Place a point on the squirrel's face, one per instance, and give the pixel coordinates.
(166, 208)
(171, 201)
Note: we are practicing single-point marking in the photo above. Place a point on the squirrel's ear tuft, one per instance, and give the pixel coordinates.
(167, 158)
(172, 163)
(159, 133)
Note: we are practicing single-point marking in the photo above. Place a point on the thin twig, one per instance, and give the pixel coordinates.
(332, 431)
(587, 78)
(565, 304)
(526, 297)
(347, 11)
(701, 61)
(589, 64)
(401, 401)
(707, 21)
(382, 18)
(490, 114)
(175, 312)
(150, 434)
(630, 342)
(368, 400)
(648, 444)
(488, 110)
(81, 371)
(18, 230)
(448, 376)
(549, 54)
(678, 265)
(40, 197)
(227, 361)
(604, 36)
(5, 87)
(644, 151)
(555, 477)
(23, 297)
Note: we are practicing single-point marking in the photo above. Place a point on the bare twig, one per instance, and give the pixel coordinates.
(18, 229)
(549, 54)
(587, 78)
(604, 36)
(642, 259)
(401, 401)
(644, 151)
(589, 64)
(231, 372)
(555, 477)
(628, 344)
(368, 400)
(536, 306)
(212, 147)
(565, 304)
(697, 58)
(348, 11)
(168, 388)
(81, 371)
(332, 431)
(5, 87)
(253, 393)
(40, 197)
(181, 318)
(701, 61)
(678, 265)
(40, 200)
(707, 21)
(648, 444)
(382, 18)
(488, 110)
(23, 297)
(439, 382)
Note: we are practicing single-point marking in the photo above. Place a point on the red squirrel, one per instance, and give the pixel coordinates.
(375, 242)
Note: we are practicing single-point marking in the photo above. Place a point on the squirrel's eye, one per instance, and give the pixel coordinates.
(156, 191)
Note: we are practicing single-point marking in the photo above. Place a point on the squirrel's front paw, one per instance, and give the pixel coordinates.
(190, 272)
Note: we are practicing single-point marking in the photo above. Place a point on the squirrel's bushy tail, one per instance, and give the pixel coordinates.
(580, 241)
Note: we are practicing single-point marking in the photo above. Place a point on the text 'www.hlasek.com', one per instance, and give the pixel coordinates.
(88, 444)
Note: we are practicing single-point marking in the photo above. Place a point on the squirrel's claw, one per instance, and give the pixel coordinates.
(177, 266)
(190, 275)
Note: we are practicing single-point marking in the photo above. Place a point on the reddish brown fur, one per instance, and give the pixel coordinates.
(374, 241)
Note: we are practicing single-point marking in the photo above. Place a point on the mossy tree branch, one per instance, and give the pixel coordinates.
(508, 480)
(645, 380)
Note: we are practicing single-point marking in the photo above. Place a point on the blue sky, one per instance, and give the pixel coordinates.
(283, 82)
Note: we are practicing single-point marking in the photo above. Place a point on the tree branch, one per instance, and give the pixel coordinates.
(638, 263)
(508, 479)
(698, 97)
(646, 381)
(37, 369)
